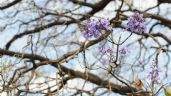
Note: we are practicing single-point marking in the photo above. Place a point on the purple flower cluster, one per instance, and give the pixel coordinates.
(108, 51)
(136, 23)
(111, 54)
(95, 28)
(154, 73)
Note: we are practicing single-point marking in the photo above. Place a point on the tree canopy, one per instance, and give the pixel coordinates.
(85, 47)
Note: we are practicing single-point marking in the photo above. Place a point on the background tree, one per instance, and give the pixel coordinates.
(49, 47)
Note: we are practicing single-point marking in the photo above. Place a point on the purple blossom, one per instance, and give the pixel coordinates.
(154, 73)
(111, 55)
(103, 61)
(102, 49)
(108, 52)
(95, 28)
(124, 51)
(136, 23)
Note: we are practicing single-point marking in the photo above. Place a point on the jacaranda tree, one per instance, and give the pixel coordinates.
(85, 47)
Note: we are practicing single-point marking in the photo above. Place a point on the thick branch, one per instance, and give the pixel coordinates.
(21, 55)
(10, 4)
(77, 74)
(164, 1)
